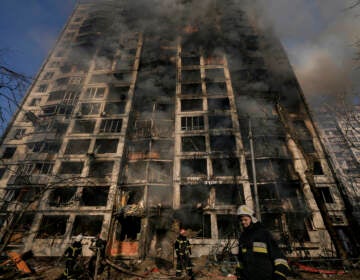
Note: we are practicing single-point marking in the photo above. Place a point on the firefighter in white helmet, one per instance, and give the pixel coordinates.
(259, 256)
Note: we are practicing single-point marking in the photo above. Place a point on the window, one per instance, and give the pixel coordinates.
(111, 125)
(56, 95)
(48, 75)
(39, 168)
(191, 89)
(87, 225)
(120, 93)
(191, 105)
(216, 88)
(193, 167)
(228, 226)
(76, 147)
(222, 143)
(189, 61)
(229, 194)
(93, 93)
(9, 152)
(19, 133)
(317, 168)
(220, 122)
(62, 197)
(62, 81)
(84, 126)
(90, 108)
(160, 195)
(2, 172)
(94, 196)
(115, 107)
(326, 195)
(35, 102)
(42, 88)
(215, 74)
(71, 167)
(52, 226)
(193, 195)
(103, 146)
(192, 123)
(130, 228)
(226, 167)
(193, 144)
(101, 169)
(190, 76)
(218, 104)
(197, 222)
(55, 64)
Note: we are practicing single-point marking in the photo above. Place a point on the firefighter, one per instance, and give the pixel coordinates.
(71, 254)
(183, 252)
(259, 256)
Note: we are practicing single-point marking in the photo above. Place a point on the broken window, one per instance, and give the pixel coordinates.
(2, 172)
(119, 93)
(38, 168)
(130, 228)
(268, 192)
(9, 152)
(143, 128)
(159, 196)
(87, 225)
(160, 172)
(103, 146)
(194, 195)
(193, 144)
(62, 197)
(42, 88)
(114, 107)
(213, 88)
(48, 75)
(131, 195)
(192, 123)
(162, 149)
(90, 108)
(297, 227)
(228, 226)
(197, 222)
(111, 125)
(190, 76)
(191, 89)
(215, 75)
(317, 168)
(94, 93)
(190, 61)
(229, 194)
(218, 104)
(103, 63)
(56, 95)
(62, 82)
(220, 122)
(84, 126)
(226, 167)
(267, 146)
(71, 167)
(193, 167)
(222, 143)
(53, 226)
(76, 147)
(19, 133)
(136, 171)
(35, 102)
(273, 169)
(307, 145)
(22, 227)
(94, 196)
(101, 169)
(191, 105)
(272, 221)
(326, 195)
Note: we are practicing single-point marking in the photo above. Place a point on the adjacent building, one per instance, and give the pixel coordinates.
(136, 126)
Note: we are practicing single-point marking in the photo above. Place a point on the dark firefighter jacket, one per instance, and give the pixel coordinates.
(73, 251)
(259, 256)
(182, 246)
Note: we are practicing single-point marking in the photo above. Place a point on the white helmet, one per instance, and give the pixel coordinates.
(79, 237)
(247, 211)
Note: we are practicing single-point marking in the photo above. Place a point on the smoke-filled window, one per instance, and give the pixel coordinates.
(220, 122)
(90, 108)
(192, 123)
(160, 172)
(52, 226)
(229, 194)
(132, 195)
(87, 225)
(62, 197)
(226, 167)
(115, 108)
(76, 147)
(228, 226)
(213, 88)
(194, 195)
(103, 146)
(215, 104)
(93, 93)
(190, 61)
(191, 89)
(222, 143)
(130, 228)
(193, 144)
(196, 221)
(190, 76)
(136, 171)
(94, 196)
(84, 126)
(214, 75)
(68, 167)
(118, 93)
(101, 169)
(159, 195)
(191, 105)
(193, 167)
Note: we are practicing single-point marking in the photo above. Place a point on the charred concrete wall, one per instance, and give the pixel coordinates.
(138, 126)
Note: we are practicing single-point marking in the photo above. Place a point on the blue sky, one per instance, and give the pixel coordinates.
(28, 30)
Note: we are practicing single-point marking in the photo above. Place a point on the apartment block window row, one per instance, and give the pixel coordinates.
(106, 126)
(220, 167)
(197, 122)
(102, 146)
(108, 108)
(97, 169)
(35, 168)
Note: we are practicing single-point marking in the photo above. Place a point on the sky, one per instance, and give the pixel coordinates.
(318, 35)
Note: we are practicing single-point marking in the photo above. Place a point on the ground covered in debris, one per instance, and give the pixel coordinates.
(148, 269)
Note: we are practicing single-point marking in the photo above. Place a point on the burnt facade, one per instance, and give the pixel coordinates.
(134, 128)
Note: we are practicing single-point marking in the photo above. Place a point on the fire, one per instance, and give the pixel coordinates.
(190, 29)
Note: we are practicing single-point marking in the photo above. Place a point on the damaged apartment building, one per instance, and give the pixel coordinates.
(137, 126)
